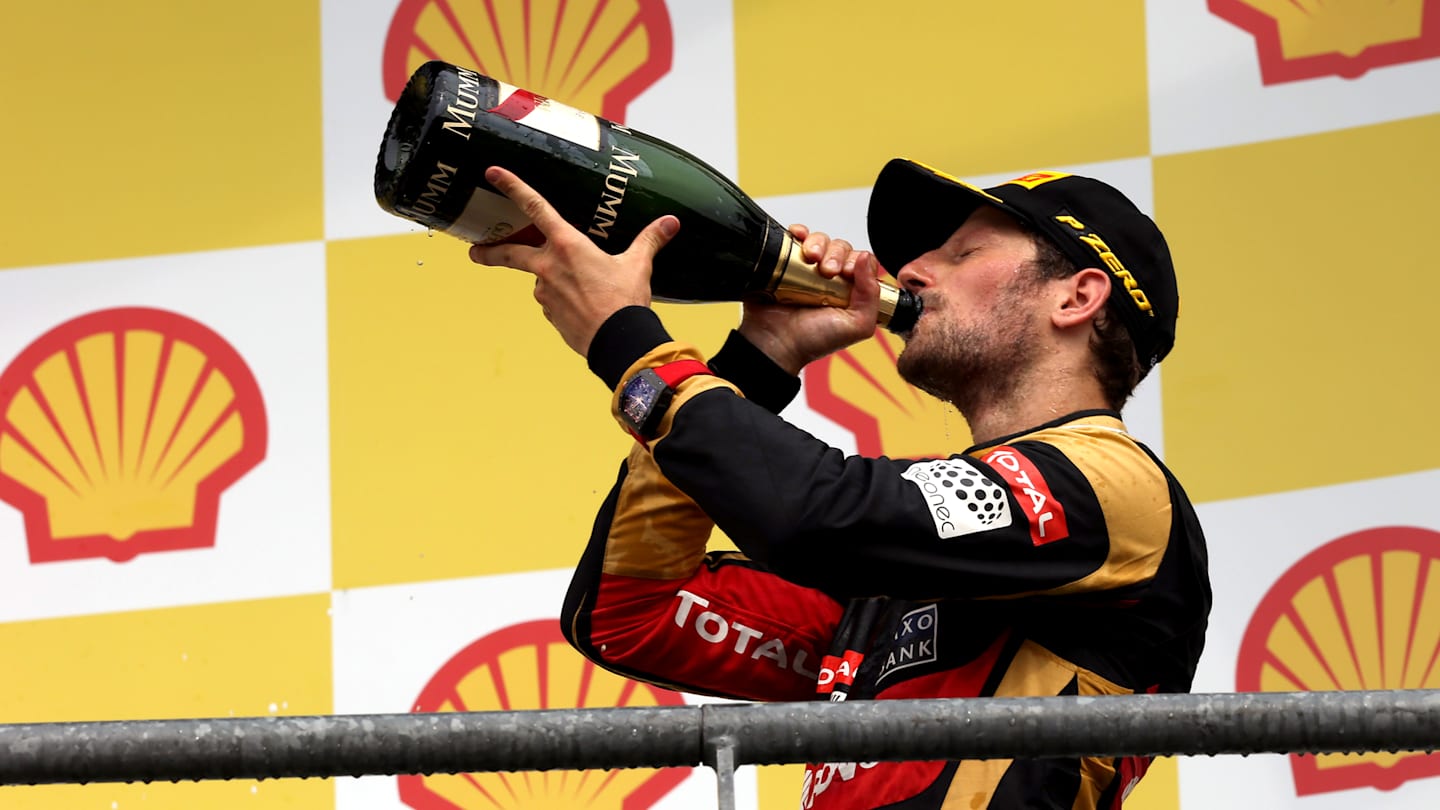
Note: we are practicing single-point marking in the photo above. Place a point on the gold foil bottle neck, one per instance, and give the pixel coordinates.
(798, 282)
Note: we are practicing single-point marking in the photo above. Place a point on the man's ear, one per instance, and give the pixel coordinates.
(1085, 294)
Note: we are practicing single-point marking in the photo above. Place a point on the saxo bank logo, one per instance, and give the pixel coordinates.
(524, 667)
(1307, 39)
(120, 429)
(595, 55)
(1360, 612)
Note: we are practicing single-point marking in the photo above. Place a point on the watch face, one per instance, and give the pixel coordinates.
(638, 398)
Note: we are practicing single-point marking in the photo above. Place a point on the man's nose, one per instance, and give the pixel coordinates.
(913, 276)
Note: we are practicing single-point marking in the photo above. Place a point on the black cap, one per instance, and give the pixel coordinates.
(915, 208)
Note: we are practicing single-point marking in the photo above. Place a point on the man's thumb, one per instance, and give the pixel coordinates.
(656, 235)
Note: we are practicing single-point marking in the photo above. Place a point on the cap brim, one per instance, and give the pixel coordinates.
(914, 209)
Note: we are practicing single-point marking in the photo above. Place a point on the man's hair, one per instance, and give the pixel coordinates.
(1116, 365)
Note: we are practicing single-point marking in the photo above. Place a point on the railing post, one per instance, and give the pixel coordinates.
(720, 756)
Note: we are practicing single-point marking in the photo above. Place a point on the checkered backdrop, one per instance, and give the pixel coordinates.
(265, 449)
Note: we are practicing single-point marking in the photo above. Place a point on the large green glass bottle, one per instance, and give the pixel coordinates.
(607, 180)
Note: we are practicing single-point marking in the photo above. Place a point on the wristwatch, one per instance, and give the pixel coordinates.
(646, 396)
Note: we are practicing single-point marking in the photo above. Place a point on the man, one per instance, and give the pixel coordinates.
(1057, 556)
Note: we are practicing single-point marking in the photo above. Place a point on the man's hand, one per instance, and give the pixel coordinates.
(577, 284)
(795, 336)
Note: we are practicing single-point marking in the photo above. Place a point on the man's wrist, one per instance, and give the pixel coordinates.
(779, 350)
(758, 376)
(621, 340)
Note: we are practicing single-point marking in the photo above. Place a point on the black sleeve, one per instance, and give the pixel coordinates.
(960, 527)
(754, 373)
(631, 332)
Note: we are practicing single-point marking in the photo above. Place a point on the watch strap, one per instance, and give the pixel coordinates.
(678, 371)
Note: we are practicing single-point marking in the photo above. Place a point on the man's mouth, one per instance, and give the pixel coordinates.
(910, 333)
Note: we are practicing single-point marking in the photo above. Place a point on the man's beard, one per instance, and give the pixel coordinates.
(973, 363)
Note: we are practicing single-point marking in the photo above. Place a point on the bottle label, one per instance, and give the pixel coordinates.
(551, 117)
(488, 218)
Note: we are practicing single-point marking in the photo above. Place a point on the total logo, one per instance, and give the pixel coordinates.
(120, 429)
(594, 55)
(1307, 39)
(1360, 612)
(530, 666)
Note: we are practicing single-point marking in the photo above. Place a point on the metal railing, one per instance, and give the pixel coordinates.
(720, 736)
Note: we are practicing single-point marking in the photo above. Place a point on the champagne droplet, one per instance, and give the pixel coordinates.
(419, 262)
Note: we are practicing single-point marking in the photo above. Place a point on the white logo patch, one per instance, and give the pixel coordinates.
(961, 499)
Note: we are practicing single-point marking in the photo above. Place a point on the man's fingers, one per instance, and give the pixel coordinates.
(546, 219)
(812, 247)
(836, 254)
(515, 256)
(867, 274)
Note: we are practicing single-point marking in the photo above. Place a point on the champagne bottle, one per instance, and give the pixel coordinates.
(607, 180)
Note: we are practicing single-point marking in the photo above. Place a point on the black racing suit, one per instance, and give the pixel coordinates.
(1064, 560)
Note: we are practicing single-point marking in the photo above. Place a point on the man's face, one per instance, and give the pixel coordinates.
(980, 321)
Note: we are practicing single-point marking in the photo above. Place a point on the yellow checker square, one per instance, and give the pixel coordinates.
(1159, 790)
(776, 786)
(828, 90)
(1307, 286)
(158, 126)
(466, 438)
(242, 659)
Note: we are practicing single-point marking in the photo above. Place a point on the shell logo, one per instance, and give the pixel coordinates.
(1307, 39)
(860, 389)
(596, 55)
(1360, 612)
(531, 666)
(120, 429)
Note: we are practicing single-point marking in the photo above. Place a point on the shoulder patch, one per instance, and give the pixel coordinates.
(961, 499)
(1045, 513)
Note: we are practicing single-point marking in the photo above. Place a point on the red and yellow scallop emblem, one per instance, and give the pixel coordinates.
(531, 666)
(1305, 39)
(120, 429)
(1360, 612)
(861, 390)
(595, 55)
